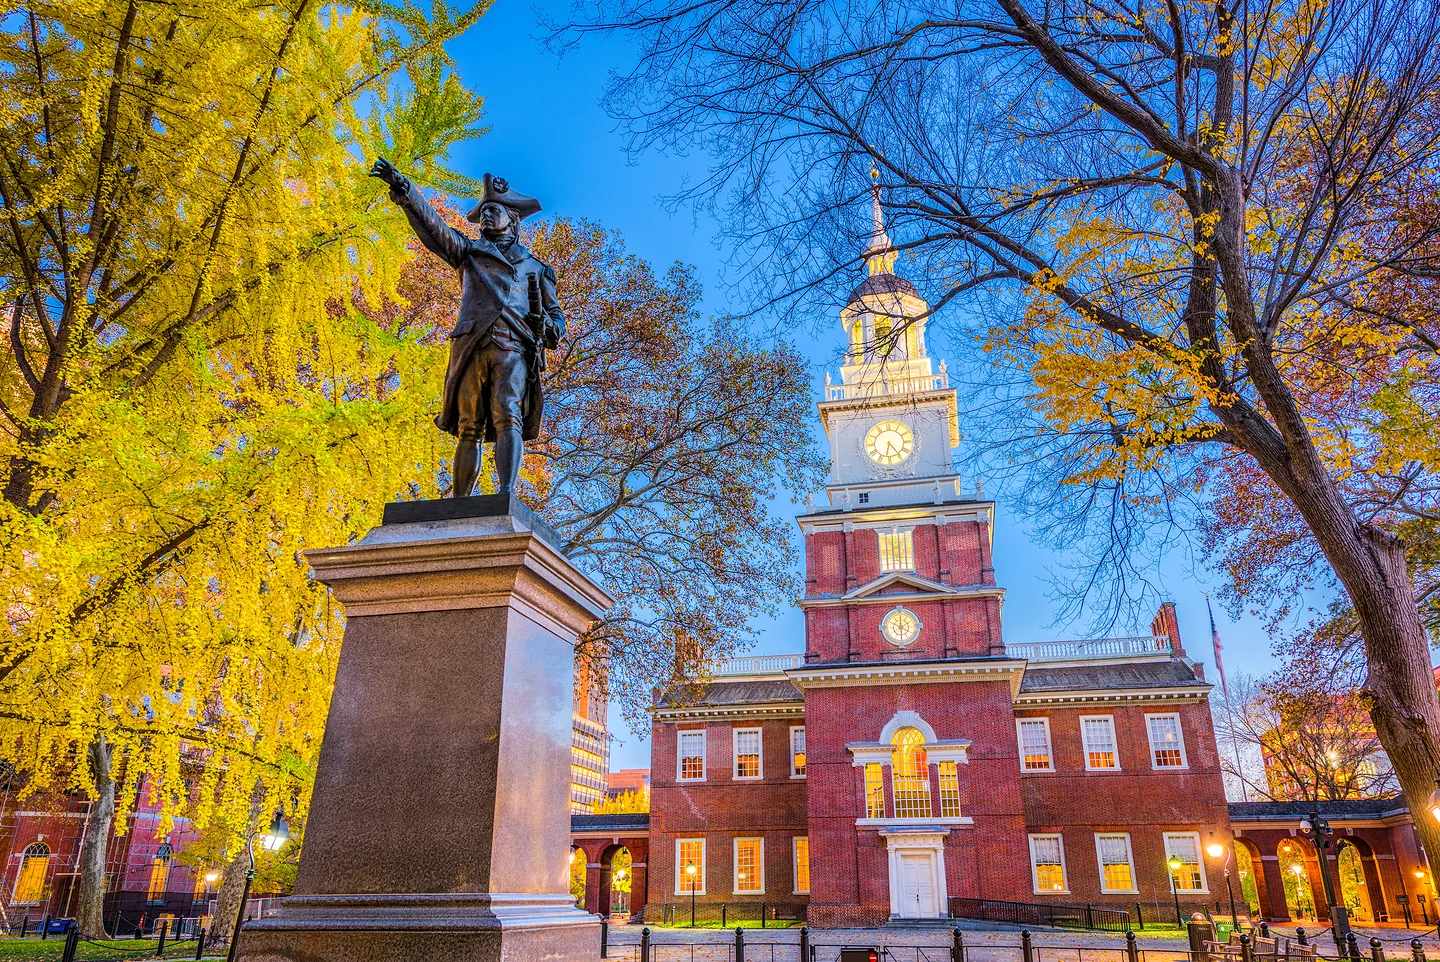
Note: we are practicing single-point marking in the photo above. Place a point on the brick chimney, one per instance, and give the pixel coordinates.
(1167, 624)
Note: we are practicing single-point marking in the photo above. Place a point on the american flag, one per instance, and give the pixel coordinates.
(1215, 640)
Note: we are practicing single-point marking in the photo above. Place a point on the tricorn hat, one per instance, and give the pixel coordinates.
(497, 191)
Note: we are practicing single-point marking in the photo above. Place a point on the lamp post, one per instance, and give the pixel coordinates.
(1175, 866)
(1420, 896)
(1321, 835)
(690, 881)
(1216, 850)
(275, 837)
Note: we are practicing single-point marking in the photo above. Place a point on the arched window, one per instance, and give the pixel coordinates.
(857, 340)
(30, 880)
(910, 775)
(160, 873)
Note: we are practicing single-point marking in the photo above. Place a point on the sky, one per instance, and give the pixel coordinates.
(549, 136)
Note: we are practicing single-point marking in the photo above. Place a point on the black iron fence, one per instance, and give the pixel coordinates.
(726, 914)
(1091, 918)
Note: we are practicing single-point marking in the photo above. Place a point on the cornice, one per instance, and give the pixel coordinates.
(880, 515)
(909, 673)
(790, 709)
(1113, 696)
(892, 598)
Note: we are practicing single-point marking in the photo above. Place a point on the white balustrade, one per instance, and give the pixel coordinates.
(756, 665)
(1083, 649)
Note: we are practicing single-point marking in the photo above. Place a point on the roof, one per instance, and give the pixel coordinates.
(1340, 808)
(1171, 673)
(629, 822)
(883, 284)
(750, 692)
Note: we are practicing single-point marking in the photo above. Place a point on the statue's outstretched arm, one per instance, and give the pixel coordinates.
(439, 238)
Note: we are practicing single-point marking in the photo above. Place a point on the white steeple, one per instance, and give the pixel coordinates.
(892, 419)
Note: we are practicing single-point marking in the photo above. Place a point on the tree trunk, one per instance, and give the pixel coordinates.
(90, 904)
(227, 900)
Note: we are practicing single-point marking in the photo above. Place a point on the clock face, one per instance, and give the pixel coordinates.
(900, 627)
(889, 442)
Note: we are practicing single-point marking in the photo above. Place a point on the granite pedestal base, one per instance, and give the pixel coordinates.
(440, 825)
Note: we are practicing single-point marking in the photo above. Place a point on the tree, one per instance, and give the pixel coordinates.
(664, 444)
(1313, 740)
(183, 411)
(1169, 219)
(625, 803)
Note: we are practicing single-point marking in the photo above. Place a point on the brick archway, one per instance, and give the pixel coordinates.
(589, 835)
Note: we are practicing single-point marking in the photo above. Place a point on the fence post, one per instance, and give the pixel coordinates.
(604, 938)
(1300, 936)
(645, 944)
(116, 927)
(740, 943)
(1027, 949)
(1089, 917)
(1132, 951)
(1352, 947)
(1417, 950)
(25, 925)
(762, 923)
(1247, 951)
(1264, 929)
(45, 927)
(1377, 950)
(957, 945)
(160, 943)
(200, 944)
(805, 943)
(72, 942)
(1140, 916)
(724, 915)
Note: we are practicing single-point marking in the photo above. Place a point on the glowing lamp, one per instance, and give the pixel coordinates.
(1435, 800)
(1215, 849)
(1175, 863)
(212, 877)
(276, 835)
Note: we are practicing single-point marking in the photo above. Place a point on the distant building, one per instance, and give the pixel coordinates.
(590, 747)
(627, 780)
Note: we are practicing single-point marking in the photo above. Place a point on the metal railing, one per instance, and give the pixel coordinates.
(1081, 649)
(1092, 918)
(756, 665)
(886, 386)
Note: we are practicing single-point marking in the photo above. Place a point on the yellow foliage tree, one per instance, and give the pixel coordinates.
(187, 403)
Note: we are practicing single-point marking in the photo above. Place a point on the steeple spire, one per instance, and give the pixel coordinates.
(879, 254)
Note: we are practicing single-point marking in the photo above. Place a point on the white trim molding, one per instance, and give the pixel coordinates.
(910, 673)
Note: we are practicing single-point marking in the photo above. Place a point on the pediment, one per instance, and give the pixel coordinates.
(903, 583)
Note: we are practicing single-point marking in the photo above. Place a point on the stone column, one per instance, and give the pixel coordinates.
(440, 826)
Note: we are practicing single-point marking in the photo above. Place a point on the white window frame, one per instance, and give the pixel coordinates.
(1049, 743)
(680, 866)
(795, 841)
(680, 756)
(1114, 742)
(1204, 888)
(793, 730)
(903, 537)
(735, 734)
(1035, 866)
(1129, 854)
(1179, 734)
(735, 865)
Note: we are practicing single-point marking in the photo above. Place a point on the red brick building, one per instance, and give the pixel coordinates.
(911, 756)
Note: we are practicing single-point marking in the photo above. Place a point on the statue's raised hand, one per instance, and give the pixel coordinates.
(386, 171)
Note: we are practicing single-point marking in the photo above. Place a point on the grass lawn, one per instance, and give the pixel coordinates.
(730, 925)
(124, 949)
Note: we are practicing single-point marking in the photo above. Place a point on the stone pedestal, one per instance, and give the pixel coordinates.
(440, 826)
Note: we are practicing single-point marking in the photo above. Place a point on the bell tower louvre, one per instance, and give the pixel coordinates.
(910, 759)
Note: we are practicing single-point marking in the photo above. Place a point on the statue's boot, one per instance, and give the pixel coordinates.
(509, 449)
(467, 468)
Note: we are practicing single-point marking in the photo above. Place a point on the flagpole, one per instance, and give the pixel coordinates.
(1229, 706)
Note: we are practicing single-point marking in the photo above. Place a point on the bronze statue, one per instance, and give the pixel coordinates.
(508, 317)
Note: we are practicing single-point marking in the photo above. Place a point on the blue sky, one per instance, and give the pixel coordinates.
(550, 138)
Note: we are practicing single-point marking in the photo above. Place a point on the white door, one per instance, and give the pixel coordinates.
(917, 886)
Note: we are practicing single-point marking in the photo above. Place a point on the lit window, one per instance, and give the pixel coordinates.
(1185, 846)
(1098, 733)
(874, 791)
(1117, 870)
(802, 865)
(1167, 745)
(797, 752)
(897, 551)
(949, 790)
(30, 880)
(1047, 859)
(910, 775)
(1035, 745)
(747, 753)
(689, 866)
(749, 866)
(159, 873)
(692, 756)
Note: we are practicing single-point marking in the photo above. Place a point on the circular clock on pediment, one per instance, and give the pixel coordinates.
(889, 442)
(900, 627)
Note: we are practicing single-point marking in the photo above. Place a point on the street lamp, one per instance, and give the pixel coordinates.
(1216, 850)
(1321, 835)
(277, 833)
(1420, 896)
(1435, 800)
(690, 872)
(1175, 866)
